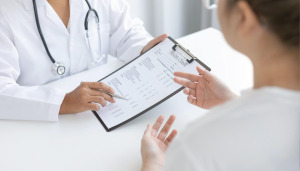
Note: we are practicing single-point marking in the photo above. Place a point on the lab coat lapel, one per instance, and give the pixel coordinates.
(52, 15)
(28, 4)
(77, 10)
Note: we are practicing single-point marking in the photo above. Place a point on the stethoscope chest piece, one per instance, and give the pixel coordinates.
(58, 68)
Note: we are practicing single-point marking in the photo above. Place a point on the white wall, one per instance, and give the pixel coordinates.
(175, 17)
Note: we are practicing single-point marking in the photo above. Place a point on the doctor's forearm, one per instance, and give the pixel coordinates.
(30, 103)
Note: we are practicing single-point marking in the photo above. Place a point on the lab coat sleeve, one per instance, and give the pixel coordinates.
(19, 102)
(127, 35)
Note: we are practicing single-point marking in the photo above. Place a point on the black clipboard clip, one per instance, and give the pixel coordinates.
(186, 51)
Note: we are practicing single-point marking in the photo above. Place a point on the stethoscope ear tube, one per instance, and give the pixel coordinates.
(57, 67)
(40, 31)
(95, 60)
(86, 20)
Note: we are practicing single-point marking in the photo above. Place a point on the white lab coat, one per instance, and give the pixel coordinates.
(25, 66)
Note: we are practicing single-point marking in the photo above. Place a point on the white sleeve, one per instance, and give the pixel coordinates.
(179, 158)
(22, 102)
(128, 35)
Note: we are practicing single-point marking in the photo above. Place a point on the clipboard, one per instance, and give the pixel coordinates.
(175, 48)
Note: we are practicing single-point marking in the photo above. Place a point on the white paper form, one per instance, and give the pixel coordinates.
(145, 82)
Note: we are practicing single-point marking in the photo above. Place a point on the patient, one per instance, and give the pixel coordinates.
(258, 131)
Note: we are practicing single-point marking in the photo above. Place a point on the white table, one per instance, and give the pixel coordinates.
(79, 142)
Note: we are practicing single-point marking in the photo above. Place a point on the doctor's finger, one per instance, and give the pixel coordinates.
(185, 83)
(102, 94)
(98, 99)
(154, 42)
(100, 85)
(157, 40)
(188, 76)
(93, 107)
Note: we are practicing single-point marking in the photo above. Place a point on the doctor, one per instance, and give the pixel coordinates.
(42, 41)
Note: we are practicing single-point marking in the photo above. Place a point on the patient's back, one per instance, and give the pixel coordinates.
(258, 131)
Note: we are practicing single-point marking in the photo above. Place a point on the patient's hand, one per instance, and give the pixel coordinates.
(204, 90)
(155, 144)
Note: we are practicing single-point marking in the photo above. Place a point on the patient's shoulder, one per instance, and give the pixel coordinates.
(259, 126)
(263, 107)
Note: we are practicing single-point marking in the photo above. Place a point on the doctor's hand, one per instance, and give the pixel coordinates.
(154, 42)
(155, 144)
(85, 97)
(204, 90)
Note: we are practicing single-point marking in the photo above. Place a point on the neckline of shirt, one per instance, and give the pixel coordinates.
(273, 90)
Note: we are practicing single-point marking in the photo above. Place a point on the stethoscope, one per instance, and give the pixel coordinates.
(58, 67)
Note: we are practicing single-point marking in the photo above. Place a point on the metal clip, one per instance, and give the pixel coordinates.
(186, 51)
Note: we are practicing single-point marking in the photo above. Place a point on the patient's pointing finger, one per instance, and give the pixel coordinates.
(188, 76)
(185, 83)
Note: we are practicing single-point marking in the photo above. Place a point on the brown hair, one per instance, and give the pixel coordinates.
(279, 16)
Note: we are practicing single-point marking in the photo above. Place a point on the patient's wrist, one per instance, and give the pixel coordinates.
(151, 166)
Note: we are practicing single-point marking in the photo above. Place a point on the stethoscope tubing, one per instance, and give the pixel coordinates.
(86, 27)
(40, 32)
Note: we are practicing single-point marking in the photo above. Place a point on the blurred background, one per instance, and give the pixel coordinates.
(175, 17)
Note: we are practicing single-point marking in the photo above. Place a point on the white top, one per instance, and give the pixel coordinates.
(259, 131)
(25, 65)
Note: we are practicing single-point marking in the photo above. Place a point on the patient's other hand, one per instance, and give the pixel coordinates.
(204, 90)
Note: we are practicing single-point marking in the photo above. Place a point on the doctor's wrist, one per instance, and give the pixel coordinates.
(64, 105)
